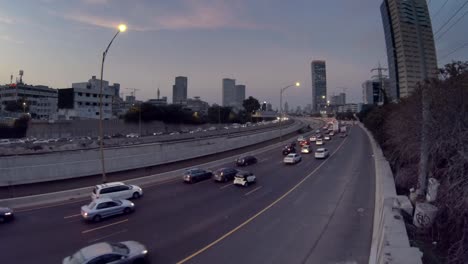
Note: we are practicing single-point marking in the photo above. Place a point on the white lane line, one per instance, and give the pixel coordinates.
(101, 227)
(263, 160)
(227, 185)
(254, 190)
(261, 211)
(71, 216)
(107, 236)
(52, 205)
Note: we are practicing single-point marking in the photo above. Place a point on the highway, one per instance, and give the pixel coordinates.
(318, 211)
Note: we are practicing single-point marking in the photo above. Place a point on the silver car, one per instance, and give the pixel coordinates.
(116, 253)
(105, 207)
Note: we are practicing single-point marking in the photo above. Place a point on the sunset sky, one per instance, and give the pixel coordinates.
(264, 44)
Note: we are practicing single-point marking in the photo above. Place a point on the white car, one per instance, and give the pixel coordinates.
(326, 137)
(306, 149)
(321, 153)
(116, 190)
(292, 158)
(300, 138)
(312, 138)
(244, 178)
(319, 142)
(132, 135)
(5, 142)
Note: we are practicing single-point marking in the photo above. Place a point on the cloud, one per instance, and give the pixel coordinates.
(11, 39)
(200, 14)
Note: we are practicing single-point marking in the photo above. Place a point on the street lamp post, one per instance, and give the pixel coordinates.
(24, 107)
(121, 28)
(297, 84)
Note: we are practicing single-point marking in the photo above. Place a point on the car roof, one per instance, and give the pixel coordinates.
(243, 173)
(103, 200)
(110, 184)
(95, 250)
(321, 149)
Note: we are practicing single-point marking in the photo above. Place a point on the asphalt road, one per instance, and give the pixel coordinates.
(318, 211)
(60, 185)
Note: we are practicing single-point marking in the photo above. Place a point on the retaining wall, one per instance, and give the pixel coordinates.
(65, 165)
(390, 242)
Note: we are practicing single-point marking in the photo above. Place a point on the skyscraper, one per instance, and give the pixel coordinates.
(240, 94)
(179, 90)
(229, 92)
(410, 45)
(319, 84)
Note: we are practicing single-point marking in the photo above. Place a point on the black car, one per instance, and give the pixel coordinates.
(196, 175)
(289, 149)
(6, 214)
(224, 174)
(246, 160)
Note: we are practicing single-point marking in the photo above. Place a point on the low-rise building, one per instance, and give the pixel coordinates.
(197, 105)
(39, 101)
(354, 108)
(82, 101)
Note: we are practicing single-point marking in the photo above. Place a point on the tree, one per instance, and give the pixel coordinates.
(251, 104)
(218, 114)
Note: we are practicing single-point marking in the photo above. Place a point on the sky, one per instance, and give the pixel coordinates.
(264, 44)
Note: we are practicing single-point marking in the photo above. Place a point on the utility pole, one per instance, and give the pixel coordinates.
(380, 76)
(133, 93)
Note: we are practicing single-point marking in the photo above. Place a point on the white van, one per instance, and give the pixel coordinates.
(116, 190)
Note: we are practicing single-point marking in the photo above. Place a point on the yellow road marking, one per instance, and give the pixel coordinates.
(259, 213)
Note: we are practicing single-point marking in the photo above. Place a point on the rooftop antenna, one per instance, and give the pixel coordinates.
(11, 79)
(21, 73)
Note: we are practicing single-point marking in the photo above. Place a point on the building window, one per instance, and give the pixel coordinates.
(87, 103)
(80, 94)
(80, 103)
(94, 104)
(106, 104)
(87, 94)
(94, 95)
(97, 113)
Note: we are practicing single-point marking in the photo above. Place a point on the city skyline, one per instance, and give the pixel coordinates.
(231, 38)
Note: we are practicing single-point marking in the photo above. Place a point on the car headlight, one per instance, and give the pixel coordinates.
(8, 213)
(132, 204)
(144, 252)
(85, 214)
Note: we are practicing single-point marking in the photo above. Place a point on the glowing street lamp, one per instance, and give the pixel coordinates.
(121, 28)
(297, 84)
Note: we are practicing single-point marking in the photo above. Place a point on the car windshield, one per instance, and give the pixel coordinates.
(92, 205)
(120, 248)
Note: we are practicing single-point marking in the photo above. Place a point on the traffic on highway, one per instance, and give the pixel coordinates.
(171, 222)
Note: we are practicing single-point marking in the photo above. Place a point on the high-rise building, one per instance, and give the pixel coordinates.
(372, 90)
(338, 99)
(410, 45)
(286, 108)
(269, 107)
(240, 95)
(179, 90)
(229, 92)
(319, 84)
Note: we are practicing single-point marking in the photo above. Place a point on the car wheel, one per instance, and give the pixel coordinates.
(139, 261)
(2, 219)
(127, 210)
(136, 195)
(97, 218)
(246, 184)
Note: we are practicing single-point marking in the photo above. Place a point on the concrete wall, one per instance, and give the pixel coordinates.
(64, 165)
(390, 242)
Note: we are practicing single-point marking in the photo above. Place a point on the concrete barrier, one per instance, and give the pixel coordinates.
(83, 194)
(65, 165)
(390, 243)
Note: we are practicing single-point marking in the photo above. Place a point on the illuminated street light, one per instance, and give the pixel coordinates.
(297, 84)
(121, 28)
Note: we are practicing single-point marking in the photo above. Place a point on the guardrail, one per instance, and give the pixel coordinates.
(59, 166)
(390, 243)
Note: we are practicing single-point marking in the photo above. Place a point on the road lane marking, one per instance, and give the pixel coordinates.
(107, 236)
(254, 190)
(161, 182)
(263, 160)
(227, 185)
(71, 216)
(260, 212)
(50, 206)
(101, 227)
